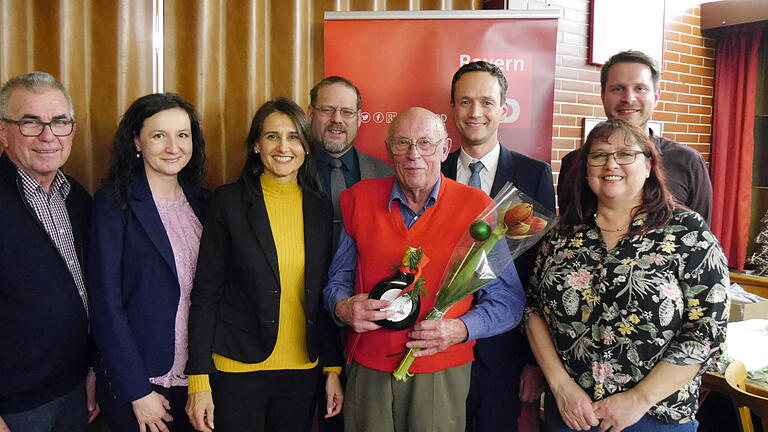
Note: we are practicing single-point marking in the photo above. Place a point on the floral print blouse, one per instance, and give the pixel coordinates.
(615, 314)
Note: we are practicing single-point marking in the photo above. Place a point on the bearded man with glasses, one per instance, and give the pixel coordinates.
(417, 207)
(44, 371)
(334, 115)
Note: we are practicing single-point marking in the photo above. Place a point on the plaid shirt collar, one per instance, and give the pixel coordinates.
(32, 188)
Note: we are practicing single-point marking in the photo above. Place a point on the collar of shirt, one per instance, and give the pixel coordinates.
(490, 162)
(658, 141)
(350, 168)
(32, 188)
(409, 216)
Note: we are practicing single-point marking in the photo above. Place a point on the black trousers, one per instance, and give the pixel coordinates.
(493, 403)
(120, 418)
(265, 401)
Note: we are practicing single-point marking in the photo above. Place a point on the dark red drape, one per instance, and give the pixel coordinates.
(736, 70)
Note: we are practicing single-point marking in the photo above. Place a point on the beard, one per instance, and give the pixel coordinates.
(336, 147)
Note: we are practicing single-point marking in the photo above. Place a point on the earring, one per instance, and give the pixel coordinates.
(138, 155)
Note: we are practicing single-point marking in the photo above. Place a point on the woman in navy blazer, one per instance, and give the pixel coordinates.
(145, 238)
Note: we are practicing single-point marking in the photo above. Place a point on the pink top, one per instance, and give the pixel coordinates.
(183, 229)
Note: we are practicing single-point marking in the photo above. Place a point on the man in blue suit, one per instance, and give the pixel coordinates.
(504, 372)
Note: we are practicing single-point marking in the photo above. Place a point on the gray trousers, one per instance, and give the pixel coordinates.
(431, 402)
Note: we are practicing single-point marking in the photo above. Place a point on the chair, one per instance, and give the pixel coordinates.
(745, 402)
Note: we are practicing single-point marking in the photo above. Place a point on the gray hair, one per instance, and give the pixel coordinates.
(36, 82)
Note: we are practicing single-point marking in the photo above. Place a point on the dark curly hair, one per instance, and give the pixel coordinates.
(253, 163)
(125, 163)
(657, 204)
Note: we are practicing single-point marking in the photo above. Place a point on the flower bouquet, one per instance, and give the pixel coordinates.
(480, 257)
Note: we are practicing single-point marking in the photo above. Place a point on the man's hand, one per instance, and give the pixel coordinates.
(200, 411)
(359, 312)
(152, 411)
(3, 426)
(531, 383)
(435, 336)
(90, 396)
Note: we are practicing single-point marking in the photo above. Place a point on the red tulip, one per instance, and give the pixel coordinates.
(517, 213)
(518, 229)
(537, 224)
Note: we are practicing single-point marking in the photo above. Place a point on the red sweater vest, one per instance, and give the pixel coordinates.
(381, 238)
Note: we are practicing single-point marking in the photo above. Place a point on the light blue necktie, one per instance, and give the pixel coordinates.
(474, 179)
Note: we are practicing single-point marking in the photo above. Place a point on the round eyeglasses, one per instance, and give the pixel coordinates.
(425, 147)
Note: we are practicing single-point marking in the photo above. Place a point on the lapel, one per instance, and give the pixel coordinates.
(449, 166)
(195, 199)
(505, 171)
(312, 207)
(145, 211)
(258, 219)
(366, 165)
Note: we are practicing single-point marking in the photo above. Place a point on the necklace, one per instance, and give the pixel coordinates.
(619, 229)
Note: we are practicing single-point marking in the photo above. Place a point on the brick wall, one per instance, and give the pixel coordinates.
(685, 107)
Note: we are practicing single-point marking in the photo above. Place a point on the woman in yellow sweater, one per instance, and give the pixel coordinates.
(259, 340)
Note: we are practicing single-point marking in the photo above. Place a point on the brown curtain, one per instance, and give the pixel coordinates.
(226, 57)
(101, 50)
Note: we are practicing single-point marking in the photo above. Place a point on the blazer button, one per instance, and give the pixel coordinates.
(310, 322)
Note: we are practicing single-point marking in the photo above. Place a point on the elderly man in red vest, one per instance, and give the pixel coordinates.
(417, 207)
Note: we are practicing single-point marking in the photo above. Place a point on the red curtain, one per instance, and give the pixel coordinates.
(736, 70)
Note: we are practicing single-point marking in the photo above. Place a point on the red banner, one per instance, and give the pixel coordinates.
(400, 63)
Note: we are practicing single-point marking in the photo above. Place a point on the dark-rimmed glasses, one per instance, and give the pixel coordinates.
(622, 157)
(425, 147)
(34, 127)
(327, 111)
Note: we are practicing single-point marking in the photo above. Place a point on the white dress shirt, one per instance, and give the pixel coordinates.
(487, 174)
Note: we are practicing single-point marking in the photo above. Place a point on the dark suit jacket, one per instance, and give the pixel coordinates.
(369, 167)
(45, 349)
(134, 290)
(506, 352)
(236, 298)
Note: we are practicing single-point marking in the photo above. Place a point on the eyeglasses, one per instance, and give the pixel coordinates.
(327, 111)
(622, 157)
(424, 146)
(34, 128)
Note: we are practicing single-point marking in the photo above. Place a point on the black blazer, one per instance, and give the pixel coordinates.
(236, 296)
(507, 351)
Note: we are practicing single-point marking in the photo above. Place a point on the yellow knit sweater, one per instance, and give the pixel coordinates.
(284, 208)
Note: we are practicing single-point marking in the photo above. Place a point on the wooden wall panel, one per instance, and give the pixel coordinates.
(229, 57)
(101, 50)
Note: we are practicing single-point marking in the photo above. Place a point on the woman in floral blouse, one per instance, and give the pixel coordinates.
(627, 304)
